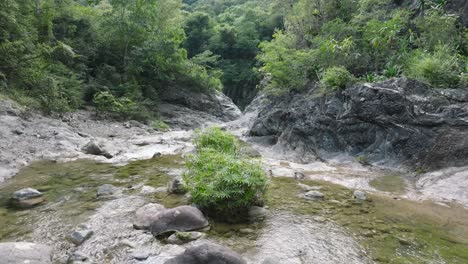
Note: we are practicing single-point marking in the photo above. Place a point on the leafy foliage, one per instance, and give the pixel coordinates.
(220, 180)
(372, 39)
(337, 78)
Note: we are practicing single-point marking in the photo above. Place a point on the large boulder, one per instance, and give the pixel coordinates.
(147, 215)
(23, 252)
(398, 121)
(207, 254)
(180, 219)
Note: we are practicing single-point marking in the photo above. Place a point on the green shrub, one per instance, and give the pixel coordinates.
(107, 102)
(337, 78)
(159, 125)
(216, 139)
(441, 68)
(224, 185)
(222, 181)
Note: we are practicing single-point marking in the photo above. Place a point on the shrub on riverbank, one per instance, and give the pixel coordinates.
(221, 181)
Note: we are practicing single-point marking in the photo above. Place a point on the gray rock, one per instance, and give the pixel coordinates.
(147, 215)
(80, 235)
(23, 252)
(360, 195)
(107, 190)
(94, 148)
(207, 254)
(314, 195)
(27, 198)
(177, 186)
(397, 121)
(257, 213)
(180, 219)
(141, 254)
(157, 155)
(180, 238)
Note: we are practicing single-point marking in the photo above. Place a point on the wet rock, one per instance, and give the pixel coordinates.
(360, 195)
(314, 195)
(107, 190)
(80, 235)
(207, 254)
(180, 219)
(157, 155)
(180, 238)
(177, 186)
(147, 215)
(27, 198)
(23, 252)
(94, 148)
(257, 213)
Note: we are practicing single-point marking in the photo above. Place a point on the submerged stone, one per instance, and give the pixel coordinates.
(314, 195)
(360, 195)
(26, 198)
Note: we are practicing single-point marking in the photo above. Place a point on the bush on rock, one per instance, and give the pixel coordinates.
(222, 181)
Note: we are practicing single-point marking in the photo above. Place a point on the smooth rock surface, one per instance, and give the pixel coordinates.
(183, 218)
(27, 198)
(23, 252)
(147, 215)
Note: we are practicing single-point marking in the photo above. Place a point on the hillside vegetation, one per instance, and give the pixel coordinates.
(121, 55)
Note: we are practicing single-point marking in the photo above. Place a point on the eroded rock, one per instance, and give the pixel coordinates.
(94, 148)
(180, 238)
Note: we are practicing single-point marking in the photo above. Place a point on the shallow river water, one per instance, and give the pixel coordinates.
(387, 228)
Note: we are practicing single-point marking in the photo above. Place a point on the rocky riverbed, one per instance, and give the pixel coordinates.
(316, 211)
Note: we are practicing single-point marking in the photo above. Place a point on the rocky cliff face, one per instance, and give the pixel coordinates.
(186, 109)
(398, 121)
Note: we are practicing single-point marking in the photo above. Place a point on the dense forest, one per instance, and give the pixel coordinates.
(58, 55)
